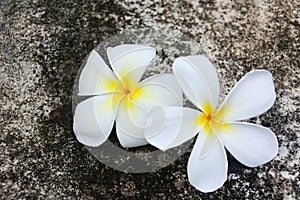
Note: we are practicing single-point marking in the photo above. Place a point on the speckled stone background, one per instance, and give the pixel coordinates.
(42, 45)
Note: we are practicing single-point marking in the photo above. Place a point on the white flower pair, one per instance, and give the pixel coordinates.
(151, 111)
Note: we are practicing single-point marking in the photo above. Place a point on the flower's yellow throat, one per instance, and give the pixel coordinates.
(210, 121)
(126, 88)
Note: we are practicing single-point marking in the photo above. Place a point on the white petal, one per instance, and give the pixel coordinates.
(210, 173)
(162, 89)
(94, 119)
(130, 60)
(250, 144)
(208, 144)
(169, 127)
(128, 141)
(96, 77)
(131, 118)
(252, 95)
(198, 80)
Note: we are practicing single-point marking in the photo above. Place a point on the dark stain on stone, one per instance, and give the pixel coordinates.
(60, 115)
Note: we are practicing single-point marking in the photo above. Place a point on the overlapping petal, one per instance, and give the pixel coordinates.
(171, 126)
(251, 144)
(208, 143)
(209, 173)
(130, 60)
(131, 118)
(128, 141)
(161, 89)
(252, 95)
(198, 80)
(96, 77)
(94, 119)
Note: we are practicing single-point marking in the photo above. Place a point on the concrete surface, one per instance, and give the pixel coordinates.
(42, 45)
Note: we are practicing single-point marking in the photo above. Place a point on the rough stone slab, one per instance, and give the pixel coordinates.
(42, 45)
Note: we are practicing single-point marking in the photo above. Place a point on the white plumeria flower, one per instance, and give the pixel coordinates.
(120, 96)
(250, 144)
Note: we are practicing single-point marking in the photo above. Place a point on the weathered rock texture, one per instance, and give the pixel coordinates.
(42, 45)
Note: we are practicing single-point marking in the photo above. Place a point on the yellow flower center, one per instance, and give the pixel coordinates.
(126, 88)
(210, 121)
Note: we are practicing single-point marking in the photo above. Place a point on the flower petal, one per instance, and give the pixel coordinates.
(252, 95)
(170, 126)
(128, 141)
(162, 89)
(209, 142)
(94, 119)
(96, 77)
(130, 60)
(250, 144)
(131, 118)
(198, 79)
(210, 173)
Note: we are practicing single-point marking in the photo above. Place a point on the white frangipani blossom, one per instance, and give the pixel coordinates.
(251, 144)
(119, 95)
